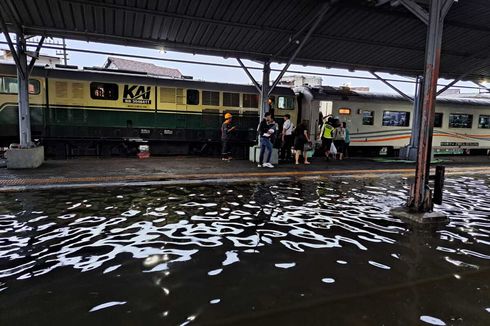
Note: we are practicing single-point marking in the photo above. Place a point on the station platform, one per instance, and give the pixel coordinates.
(114, 172)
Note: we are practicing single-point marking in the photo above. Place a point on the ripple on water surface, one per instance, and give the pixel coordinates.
(170, 253)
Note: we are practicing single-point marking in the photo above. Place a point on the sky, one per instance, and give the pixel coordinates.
(224, 74)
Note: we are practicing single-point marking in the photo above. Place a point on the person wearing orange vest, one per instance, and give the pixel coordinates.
(226, 131)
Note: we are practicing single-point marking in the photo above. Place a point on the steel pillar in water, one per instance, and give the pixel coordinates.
(421, 196)
(23, 96)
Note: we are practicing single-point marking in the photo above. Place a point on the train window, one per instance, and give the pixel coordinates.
(8, 85)
(457, 120)
(231, 99)
(192, 97)
(210, 98)
(250, 101)
(396, 118)
(438, 120)
(77, 90)
(34, 87)
(368, 118)
(484, 122)
(104, 91)
(167, 95)
(285, 103)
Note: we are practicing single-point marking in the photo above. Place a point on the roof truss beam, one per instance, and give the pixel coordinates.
(323, 10)
(11, 45)
(294, 38)
(256, 84)
(422, 13)
(417, 10)
(393, 87)
(35, 55)
(461, 77)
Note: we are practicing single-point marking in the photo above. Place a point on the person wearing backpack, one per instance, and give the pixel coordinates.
(339, 134)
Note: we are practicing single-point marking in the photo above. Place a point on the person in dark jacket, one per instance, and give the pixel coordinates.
(226, 132)
(267, 130)
(300, 141)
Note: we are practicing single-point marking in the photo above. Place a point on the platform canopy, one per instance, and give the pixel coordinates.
(375, 35)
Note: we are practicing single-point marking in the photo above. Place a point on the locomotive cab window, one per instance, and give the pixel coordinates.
(285, 103)
(459, 120)
(484, 122)
(8, 85)
(210, 98)
(368, 118)
(396, 119)
(104, 91)
(231, 99)
(438, 120)
(192, 97)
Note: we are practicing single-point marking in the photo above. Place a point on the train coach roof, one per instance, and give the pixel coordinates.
(329, 93)
(118, 77)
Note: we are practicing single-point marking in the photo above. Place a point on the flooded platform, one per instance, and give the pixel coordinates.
(288, 252)
(117, 172)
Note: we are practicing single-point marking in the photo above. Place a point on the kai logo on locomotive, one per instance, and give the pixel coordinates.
(137, 94)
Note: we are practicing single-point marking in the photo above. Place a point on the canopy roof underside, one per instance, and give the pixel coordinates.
(353, 34)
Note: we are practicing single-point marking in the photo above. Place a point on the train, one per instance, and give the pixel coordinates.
(106, 112)
(383, 122)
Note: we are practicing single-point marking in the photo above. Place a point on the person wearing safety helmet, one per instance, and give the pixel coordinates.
(226, 132)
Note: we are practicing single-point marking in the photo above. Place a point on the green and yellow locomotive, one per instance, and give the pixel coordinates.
(108, 112)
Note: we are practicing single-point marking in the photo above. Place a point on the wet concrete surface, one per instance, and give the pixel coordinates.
(300, 252)
(116, 170)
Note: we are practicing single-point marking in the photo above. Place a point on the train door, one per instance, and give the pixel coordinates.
(325, 108)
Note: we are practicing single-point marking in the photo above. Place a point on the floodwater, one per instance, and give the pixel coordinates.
(300, 252)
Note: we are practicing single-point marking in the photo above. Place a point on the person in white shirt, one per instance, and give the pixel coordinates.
(287, 138)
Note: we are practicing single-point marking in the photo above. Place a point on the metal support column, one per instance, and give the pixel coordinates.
(264, 94)
(421, 196)
(411, 151)
(23, 89)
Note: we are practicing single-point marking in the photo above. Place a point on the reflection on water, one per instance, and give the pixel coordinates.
(304, 251)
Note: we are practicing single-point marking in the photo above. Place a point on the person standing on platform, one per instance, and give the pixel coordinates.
(326, 136)
(347, 139)
(339, 140)
(226, 133)
(300, 140)
(267, 129)
(287, 138)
